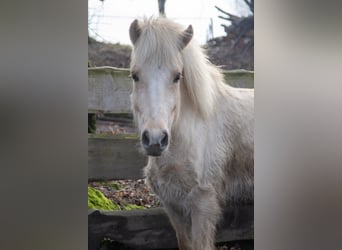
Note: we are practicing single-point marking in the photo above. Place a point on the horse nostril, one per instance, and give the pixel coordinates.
(145, 138)
(165, 139)
(154, 143)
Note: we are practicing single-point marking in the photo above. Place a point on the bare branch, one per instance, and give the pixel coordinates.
(226, 13)
(161, 7)
(225, 18)
(219, 9)
(231, 17)
(250, 4)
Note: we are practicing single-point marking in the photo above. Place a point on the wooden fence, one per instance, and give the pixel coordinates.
(116, 158)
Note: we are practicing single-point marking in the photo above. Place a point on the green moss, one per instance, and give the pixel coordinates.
(96, 200)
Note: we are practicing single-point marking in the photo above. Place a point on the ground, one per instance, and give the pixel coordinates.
(107, 54)
(127, 192)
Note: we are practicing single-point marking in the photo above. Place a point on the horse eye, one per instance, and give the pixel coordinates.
(135, 76)
(178, 76)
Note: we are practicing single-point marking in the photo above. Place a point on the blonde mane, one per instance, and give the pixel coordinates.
(160, 43)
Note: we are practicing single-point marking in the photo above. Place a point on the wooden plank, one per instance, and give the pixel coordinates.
(151, 229)
(114, 157)
(109, 88)
(239, 78)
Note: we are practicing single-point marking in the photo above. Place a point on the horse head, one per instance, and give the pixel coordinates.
(156, 69)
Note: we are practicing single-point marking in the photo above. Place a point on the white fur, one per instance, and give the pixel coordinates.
(209, 162)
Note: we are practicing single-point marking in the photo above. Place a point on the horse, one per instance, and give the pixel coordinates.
(196, 130)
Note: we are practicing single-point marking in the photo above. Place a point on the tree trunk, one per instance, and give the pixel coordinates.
(161, 5)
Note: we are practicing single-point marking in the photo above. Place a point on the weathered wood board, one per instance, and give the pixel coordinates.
(109, 88)
(114, 157)
(239, 78)
(151, 229)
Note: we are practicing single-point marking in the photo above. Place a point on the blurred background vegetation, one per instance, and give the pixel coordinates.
(234, 50)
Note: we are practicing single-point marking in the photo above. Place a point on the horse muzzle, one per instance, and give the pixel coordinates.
(156, 143)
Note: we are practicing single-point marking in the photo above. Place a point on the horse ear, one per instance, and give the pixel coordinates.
(134, 31)
(187, 36)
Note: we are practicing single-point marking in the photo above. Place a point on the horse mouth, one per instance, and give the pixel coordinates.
(154, 150)
(153, 154)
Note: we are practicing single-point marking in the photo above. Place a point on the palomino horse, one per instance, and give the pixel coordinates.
(196, 130)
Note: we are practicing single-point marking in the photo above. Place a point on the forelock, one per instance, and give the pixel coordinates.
(159, 43)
